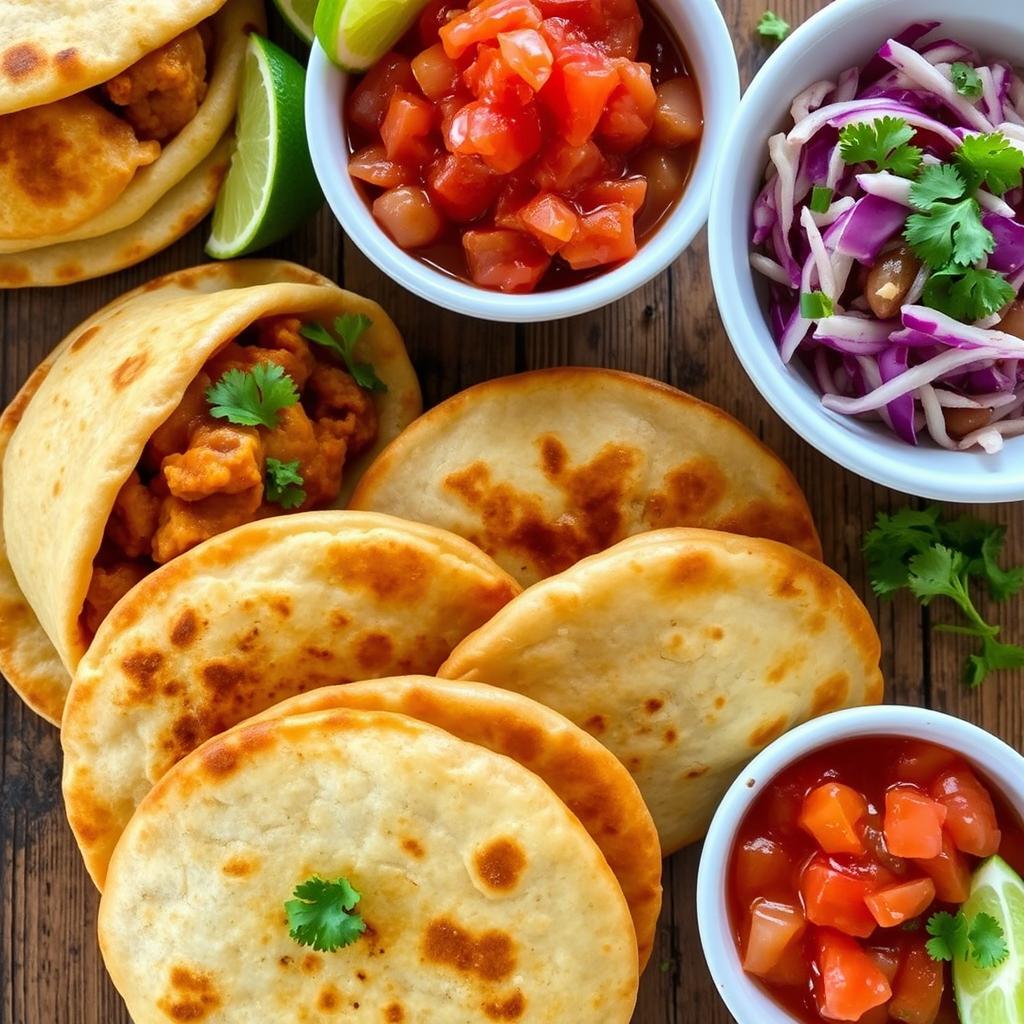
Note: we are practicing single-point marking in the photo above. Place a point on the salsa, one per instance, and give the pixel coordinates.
(838, 866)
(524, 145)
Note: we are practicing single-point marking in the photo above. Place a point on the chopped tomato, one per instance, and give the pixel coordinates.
(913, 823)
(560, 33)
(949, 871)
(898, 903)
(552, 221)
(490, 77)
(581, 81)
(506, 137)
(371, 164)
(604, 236)
(629, 115)
(562, 167)
(623, 24)
(792, 968)
(849, 984)
(836, 900)
(408, 216)
(919, 762)
(435, 72)
(507, 260)
(370, 98)
(449, 106)
(629, 191)
(678, 119)
(762, 867)
(773, 927)
(666, 176)
(830, 814)
(433, 16)
(917, 992)
(463, 187)
(407, 123)
(485, 21)
(887, 960)
(528, 55)
(971, 815)
(514, 196)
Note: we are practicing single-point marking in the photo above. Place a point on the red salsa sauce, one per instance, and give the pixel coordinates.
(841, 861)
(526, 144)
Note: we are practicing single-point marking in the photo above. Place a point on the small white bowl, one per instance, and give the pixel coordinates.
(1000, 764)
(702, 30)
(844, 34)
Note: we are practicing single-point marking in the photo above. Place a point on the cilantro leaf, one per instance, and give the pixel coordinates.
(995, 655)
(252, 398)
(939, 181)
(821, 198)
(771, 26)
(284, 483)
(816, 305)
(966, 80)
(967, 294)
(949, 233)
(350, 329)
(882, 143)
(937, 572)
(1002, 583)
(990, 160)
(949, 936)
(321, 915)
(892, 541)
(988, 943)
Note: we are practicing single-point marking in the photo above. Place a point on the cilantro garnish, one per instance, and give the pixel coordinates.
(944, 232)
(966, 80)
(967, 294)
(284, 483)
(771, 26)
(954, 937)
(821, 199)
(321, 915)
(252, 398)
(932, 557)
(349, 329)
(882, 143)
(990, 160)
(816, 305)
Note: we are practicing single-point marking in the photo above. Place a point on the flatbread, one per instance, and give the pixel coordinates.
(585, 775)
(246, 619)
(80, 435)
(484, 897)
(685, 652)
(544, 468)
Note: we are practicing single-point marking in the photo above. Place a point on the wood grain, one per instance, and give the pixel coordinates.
(51, 969)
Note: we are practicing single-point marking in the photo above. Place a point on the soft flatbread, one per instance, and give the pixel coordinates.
(78, 437)
(249, 618)
(685, 652)
(544, 468)
(588, 778)
(484, 897)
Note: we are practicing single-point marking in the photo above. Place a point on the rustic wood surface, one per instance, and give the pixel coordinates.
(670, 329)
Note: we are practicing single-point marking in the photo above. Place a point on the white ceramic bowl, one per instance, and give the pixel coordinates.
(844, 34)
(1000, 764)
(700, 26)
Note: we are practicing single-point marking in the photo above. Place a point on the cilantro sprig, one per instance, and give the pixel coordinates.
(947, 228)
(284, 483)
(771, 26)
(349, 329)
(955, 937)
(252, 398)
(933, 557)
(883, 144)
(321, 914)
(966, 80)
(992, 161)
(967, 294)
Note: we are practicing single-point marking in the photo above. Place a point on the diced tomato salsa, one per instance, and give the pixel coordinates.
(526, 144)
(838, 866)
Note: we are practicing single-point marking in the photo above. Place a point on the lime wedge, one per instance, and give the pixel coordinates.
(271, 187)
(996, 995)
(355, 34)
(299, 15)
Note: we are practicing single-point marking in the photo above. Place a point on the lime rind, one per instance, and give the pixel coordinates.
(355, 34)
(298, 14)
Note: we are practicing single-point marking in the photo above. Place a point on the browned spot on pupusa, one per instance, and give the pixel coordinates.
(394, 1014)
(653, 705)
(130, 369)
(192, 996)
(20, 60)
(830, 693)
(143, 669)
(69, 272)
(510, 1008)
(413, 847)
(68, 63)
(84, 338)
(490, 955)
(595, 498)
(239, 866)
(595, 724)
(689, 493)
(691, 570)
(393, 572)
(14, 275)
(223, 677)
(329, 999)
(767, 731)
(714, 632)
(500, 864)
(697, 771)
(312, 964)
(787, 663)
(787, 522)
(185, 628)
(374, 651)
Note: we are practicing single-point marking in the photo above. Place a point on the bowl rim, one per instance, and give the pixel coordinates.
(941, 475)
(996, 759)
(720, 88)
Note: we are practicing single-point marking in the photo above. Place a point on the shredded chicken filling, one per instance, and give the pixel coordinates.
(200, 476)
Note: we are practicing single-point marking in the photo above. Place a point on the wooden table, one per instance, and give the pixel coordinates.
(52, 972)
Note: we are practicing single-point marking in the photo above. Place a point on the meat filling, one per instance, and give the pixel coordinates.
(200, 475)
